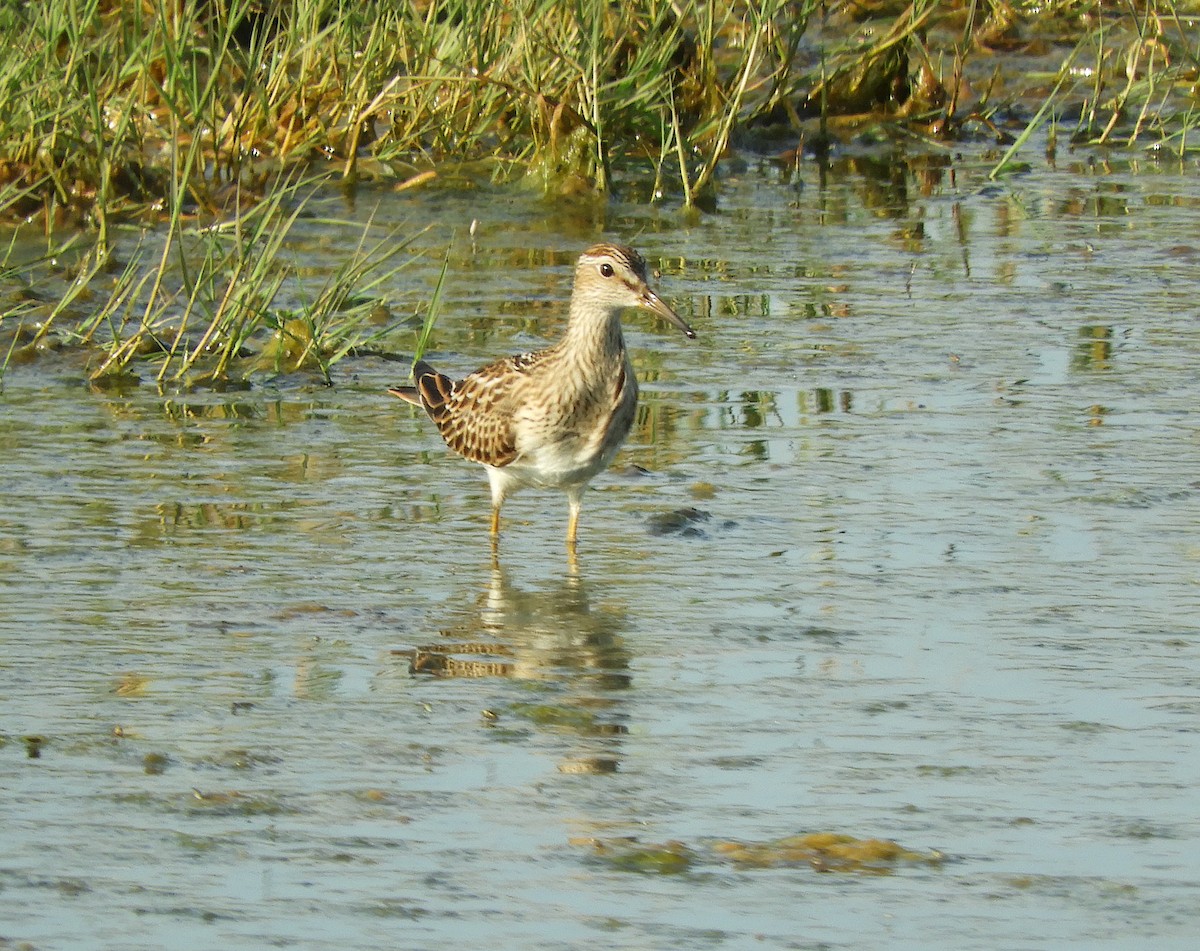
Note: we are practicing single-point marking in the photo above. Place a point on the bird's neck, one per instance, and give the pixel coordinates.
(593, 336)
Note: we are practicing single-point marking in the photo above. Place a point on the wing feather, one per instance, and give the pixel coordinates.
(475, 414)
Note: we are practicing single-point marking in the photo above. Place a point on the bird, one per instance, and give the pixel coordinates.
(556, 417)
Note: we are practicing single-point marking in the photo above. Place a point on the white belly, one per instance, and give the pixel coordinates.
(560, 448)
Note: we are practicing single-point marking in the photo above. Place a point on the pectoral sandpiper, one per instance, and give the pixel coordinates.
(554, 418)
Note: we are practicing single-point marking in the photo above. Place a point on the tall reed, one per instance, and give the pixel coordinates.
(100, 94)
(212, 121)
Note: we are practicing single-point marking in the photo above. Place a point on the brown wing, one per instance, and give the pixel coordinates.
(474, 415)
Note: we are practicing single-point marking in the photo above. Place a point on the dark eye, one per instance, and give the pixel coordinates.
(606, 270)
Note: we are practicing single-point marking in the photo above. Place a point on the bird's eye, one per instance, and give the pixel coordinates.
(606, 270)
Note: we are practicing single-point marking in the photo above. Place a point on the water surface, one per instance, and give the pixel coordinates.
(904, 546)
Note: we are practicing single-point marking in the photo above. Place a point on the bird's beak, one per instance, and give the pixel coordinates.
(653, 302)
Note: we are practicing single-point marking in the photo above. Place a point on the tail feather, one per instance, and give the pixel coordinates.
(431, 391)
(407, 393)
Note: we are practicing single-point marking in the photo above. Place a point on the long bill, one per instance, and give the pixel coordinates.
(657, 305)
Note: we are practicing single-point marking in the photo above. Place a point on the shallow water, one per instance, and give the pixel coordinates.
(903, 546)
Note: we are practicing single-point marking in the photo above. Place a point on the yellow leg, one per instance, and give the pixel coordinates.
(574, 502)
(495, 522)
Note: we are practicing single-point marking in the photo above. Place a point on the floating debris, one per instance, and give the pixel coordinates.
(825, 852)
(684, 522)
(629, 855)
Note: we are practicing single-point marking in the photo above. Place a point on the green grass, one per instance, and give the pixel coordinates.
(213, 122)
(193, 304)
(103, 96)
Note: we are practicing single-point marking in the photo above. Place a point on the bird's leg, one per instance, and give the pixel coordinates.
(495, 536)
(574, 503)
(496, 483)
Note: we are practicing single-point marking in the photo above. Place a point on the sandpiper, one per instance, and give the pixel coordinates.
(553, 418)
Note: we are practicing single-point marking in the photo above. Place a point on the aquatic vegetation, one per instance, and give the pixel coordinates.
(115, 105)
(211, 123)
(629, 855)
(233, 803)
(192, 305)
(823, 851)
(826, 852)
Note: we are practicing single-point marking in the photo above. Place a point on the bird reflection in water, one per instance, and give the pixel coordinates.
(553, 634)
